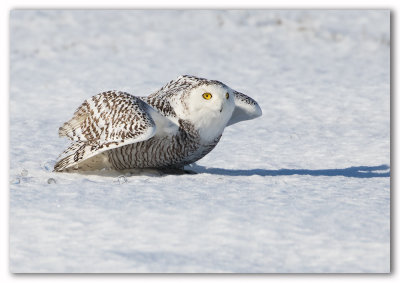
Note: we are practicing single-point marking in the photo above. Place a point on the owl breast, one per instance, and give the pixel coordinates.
(160, 152)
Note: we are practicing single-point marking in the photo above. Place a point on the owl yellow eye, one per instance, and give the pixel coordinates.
(227, 95)
(207, 95)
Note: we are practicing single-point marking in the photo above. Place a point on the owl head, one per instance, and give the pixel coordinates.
(209, 105)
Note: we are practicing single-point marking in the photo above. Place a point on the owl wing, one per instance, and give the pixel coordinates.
(246, 108)
(108, 120)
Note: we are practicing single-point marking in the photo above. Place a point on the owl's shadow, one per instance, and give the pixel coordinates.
(355, 172)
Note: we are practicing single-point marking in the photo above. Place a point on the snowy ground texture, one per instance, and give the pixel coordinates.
(304, 188)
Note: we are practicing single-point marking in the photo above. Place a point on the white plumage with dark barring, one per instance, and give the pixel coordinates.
(171, 128)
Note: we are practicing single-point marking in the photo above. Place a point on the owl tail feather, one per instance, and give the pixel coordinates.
(86, 156)
(72, 156)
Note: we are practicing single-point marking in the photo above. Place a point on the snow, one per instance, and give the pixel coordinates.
(304, 188)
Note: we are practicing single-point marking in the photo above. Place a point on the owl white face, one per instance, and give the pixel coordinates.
(210, 107)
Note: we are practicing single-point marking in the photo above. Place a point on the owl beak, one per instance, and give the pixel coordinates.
(222, 107)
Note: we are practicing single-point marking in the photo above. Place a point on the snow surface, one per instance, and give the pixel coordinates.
(304, 188)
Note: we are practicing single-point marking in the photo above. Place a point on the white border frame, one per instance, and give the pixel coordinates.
(8, 5)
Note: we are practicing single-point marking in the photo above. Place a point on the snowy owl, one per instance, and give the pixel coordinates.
(171, 128)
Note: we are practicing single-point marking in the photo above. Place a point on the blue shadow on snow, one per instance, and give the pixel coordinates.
(355, 172)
